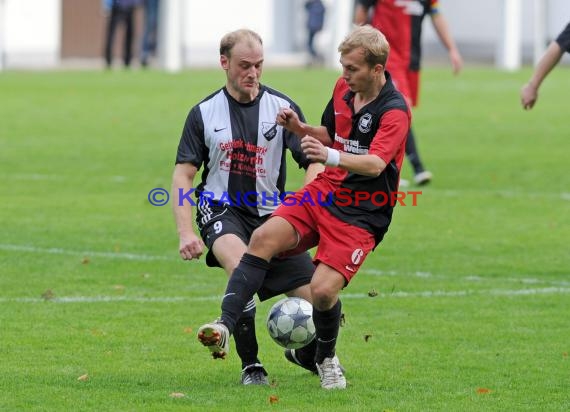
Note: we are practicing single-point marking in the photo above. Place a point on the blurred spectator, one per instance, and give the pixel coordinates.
(553, 54)
(150, 30)
(401, 23)
(315, 22)
(120, 12)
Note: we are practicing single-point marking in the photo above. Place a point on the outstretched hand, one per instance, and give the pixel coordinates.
(314, 149)
(289, 119)
(529, 94)
(456, 61)
(191, 247)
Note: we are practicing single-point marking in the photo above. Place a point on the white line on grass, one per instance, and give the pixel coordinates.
(402, 294)
(145, 257)
(44, 176)
(470, 278)
(87, 253)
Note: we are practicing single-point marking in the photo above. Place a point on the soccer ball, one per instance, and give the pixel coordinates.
(290, 323)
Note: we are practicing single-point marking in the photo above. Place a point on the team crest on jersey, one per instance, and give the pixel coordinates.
(269, 130)
(365, 123)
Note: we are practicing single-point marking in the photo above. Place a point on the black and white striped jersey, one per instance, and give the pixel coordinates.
(242, 149)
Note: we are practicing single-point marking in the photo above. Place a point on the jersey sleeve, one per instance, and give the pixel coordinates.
(392, 132)
(328, 119)
(293, 142)
(432, 7)
(192, 147)
(563, 39)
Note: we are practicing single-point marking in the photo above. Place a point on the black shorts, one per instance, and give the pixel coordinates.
(285, 274)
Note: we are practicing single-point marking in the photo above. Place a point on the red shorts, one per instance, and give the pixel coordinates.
(340, 245)
(407, 82)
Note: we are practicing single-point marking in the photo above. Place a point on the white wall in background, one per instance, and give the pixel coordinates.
(31, 33)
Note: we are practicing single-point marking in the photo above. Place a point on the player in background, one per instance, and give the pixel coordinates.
(553, 54)
(234, 135)
(362, 142)
(401, 22)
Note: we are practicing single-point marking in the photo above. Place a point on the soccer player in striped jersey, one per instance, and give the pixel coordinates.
(233, 134)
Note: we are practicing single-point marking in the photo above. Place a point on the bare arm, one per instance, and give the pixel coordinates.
(290, 120)
(191, 245)
(312, 171)
(441, 27)
(529, 92)
(360, 15)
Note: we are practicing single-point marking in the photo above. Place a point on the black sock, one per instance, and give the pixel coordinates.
(244, 336)
(413, 154)
(327, 324)
(306, 354)
(245, 280)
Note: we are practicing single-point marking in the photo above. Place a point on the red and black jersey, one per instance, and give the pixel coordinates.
(401, 22)
(379, 128)
(563, 39)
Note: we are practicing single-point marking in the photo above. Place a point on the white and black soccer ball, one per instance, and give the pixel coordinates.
(290, 323)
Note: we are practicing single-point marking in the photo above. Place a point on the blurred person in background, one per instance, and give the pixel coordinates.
(120, 12)
(150, 34)
(315, 22)
(401, 23)
(553, 54)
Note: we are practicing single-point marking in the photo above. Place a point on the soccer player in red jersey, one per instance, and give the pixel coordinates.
(401, 23)
(362, 142)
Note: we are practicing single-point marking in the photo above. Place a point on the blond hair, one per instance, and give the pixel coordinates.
(231, 39)
(374, 43)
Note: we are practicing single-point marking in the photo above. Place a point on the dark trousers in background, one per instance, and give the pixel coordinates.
(120, 16)
(150, 30)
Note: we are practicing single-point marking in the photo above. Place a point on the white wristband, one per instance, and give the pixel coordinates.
(333, 157)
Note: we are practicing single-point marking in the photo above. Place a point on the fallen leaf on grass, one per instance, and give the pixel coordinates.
(83, 378)
(85, 260)
(177, 395)
(48, 295)
(188, 330)
(97, 332)
(273, 399)
(483, 391)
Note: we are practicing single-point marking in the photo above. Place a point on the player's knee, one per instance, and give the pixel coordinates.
(264, 243)
(324, 297)
(259, 238)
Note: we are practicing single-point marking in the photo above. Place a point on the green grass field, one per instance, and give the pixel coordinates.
(97, 311)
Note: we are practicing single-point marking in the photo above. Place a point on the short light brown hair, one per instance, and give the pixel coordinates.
(374, 43)
(232, 38)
